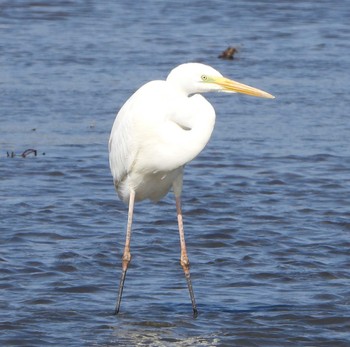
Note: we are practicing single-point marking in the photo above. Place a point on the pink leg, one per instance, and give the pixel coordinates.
(126, 256)
(184, 258)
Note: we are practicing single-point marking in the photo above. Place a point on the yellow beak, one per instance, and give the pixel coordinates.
(236, 87)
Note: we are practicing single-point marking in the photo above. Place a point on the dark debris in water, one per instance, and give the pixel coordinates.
(228, 53)
(28, 152)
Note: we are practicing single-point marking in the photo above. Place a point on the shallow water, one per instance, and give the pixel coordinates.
(266, 204)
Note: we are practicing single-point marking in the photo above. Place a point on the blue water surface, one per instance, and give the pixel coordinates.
(266, 204)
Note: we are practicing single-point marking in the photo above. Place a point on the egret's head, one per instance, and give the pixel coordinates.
(199, 78)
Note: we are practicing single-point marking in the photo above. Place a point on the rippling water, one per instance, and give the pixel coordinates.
(266, 205)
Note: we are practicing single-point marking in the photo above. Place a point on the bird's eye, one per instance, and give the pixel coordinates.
(204, 78)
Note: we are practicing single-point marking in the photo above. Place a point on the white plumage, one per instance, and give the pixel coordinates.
(157, 131)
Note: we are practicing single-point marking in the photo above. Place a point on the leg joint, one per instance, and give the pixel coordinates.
(185, 263)
(126, 260)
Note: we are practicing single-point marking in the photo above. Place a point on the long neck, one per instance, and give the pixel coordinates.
(197, 127)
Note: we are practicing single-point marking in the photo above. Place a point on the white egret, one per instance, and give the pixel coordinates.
(160, 128)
